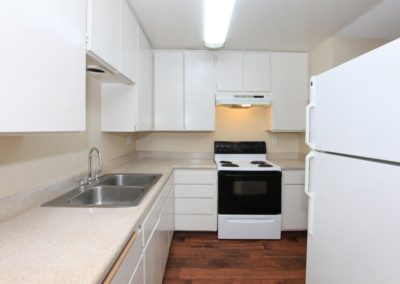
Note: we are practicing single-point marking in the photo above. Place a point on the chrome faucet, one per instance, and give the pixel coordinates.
(90, 178)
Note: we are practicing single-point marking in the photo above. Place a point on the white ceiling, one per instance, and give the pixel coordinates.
(295, 25)
(382, 22)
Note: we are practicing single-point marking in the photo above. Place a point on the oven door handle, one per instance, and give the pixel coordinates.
(250, 221)
(246, 176)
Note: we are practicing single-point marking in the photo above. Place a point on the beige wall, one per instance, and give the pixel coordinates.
(231, 124)
(27, 161)
(337, 50)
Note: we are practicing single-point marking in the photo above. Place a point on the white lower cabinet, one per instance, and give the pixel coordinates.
(294, 201)
(144, 258)
(195, 199)
(156, 247)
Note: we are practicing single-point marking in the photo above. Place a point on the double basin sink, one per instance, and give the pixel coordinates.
(111, 190)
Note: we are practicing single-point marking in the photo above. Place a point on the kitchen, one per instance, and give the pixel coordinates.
(53, 118)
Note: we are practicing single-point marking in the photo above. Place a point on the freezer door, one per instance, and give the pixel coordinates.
(354, 221)
(354, 108)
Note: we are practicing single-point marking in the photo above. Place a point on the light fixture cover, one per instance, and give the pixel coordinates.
(217, 16)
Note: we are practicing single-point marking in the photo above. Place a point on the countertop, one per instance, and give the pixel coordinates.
(77, 245)
(289, 164)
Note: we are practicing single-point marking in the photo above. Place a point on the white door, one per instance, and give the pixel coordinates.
(229, 71)
(354, 108)
(256, 72)
(104, 30)
(145, 84)
(129, 42)
(199, 91)
(168, 90)
(42, 76)
(354, 225)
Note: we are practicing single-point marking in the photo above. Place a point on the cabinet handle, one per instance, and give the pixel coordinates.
(309, 107)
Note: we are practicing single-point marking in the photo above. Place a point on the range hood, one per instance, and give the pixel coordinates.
(243, 100)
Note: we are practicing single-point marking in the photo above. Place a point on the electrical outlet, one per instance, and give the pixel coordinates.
(274, 139)
(128, 140)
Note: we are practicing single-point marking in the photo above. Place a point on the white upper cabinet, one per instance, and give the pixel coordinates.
(289, 92)
(256, 72)
(129, 108)
(104, 30)
(199, 91)
(112, 40)
(129, 42)
(168, 90)
(229, 71)
(42, 77)
(243, 71)
(145, 84)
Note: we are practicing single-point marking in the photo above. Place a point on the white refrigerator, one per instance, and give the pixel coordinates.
(353, 171)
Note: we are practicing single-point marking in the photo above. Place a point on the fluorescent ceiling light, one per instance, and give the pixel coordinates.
(217, 16)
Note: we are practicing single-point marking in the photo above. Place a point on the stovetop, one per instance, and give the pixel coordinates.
(242, 156)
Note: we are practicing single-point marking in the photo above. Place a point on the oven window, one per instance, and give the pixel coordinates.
(244, 192)
(249, 188)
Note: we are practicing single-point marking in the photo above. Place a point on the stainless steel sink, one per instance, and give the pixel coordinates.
(128, 179)
(111, 190)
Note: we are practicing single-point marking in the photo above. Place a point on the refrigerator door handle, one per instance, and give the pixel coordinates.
(309, 107)
(310, 195)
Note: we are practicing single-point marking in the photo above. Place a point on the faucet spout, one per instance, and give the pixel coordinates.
(90, 174)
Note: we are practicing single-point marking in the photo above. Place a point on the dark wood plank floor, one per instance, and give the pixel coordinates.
(200, 258)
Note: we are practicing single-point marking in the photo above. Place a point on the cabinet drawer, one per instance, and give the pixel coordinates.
(194, 206)
(138, 275)
(195, 190)
(152, 216)
(293, 177)
(129, 259)
(194, 177)
(195, 222)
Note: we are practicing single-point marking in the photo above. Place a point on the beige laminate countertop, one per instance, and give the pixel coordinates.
(289, 164)
(77, 245)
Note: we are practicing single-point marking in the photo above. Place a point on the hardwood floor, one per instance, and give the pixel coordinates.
(200, 258)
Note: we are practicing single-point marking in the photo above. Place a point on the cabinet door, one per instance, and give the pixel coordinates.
(199, 91)
(294, 207)
(256, 72)
(168, 90)
(118, 108)
(145, 83)
(289, 91)
(138, 275)
(104, 30)
(229, 71)
(129, 46)
(42, 77)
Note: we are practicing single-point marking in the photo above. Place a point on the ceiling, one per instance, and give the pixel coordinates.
(287, 25)
(382, 22)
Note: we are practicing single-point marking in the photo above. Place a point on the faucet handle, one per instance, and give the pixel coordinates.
(82, 183)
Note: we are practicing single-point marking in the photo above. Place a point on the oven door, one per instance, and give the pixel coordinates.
(247, 192)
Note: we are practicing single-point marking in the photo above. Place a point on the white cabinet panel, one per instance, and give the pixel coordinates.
(130, 262)
(195, 190)
(199, 91)
(294, 207)
(256, 72)
(129, 45)
(168, 90)
(229, 71)
(118, 108)
(42, 77)
(195, 222)
(294, 201)
(289, 79)
(145, 84)
(198, 176)
(138, 275)
(104, 30)
(194, 205)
